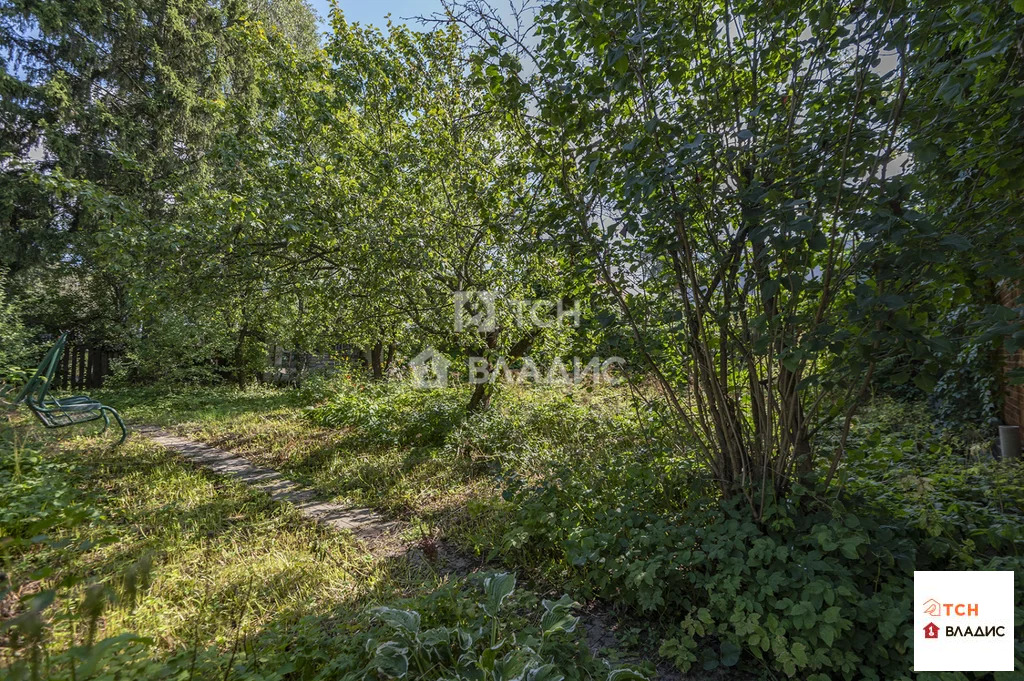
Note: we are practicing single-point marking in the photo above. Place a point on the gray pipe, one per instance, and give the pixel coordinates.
(1009, 442)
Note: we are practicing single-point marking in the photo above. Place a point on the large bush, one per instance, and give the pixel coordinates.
(392, 414)
(173, 349)
(820, 588)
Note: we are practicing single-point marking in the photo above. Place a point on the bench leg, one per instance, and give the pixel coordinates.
(120, 422)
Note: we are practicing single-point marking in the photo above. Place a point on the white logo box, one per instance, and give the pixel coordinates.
(973, 614)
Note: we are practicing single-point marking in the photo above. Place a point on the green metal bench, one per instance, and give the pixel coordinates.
(64, 411)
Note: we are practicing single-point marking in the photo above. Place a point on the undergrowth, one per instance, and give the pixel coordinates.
(820, 588)
(579, 491)
(128, 564)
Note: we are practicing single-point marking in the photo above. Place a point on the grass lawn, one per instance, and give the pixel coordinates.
(413, 456)
(573, 492)
(213, 575)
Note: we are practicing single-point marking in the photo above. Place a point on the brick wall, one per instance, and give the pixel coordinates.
(1013, 395)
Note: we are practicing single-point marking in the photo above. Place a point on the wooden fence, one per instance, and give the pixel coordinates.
(82, 368)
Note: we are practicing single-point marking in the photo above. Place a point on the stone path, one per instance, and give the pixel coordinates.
(362, 522)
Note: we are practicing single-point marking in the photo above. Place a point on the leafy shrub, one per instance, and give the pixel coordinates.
(965, 396)
(38, 498)
(936, 483)
(39, 506)
(959, 383)
(392, 414)
(527, 421)
(479, 645)
(177, 349)
(14, 336)
(321, 386)
(821, 588)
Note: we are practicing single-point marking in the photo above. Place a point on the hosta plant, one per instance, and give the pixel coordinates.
(481, 647)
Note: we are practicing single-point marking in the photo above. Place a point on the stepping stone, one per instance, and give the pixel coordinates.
(362, 522)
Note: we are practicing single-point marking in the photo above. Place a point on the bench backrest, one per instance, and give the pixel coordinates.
(36, 388)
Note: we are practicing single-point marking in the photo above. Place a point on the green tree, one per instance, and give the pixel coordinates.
(114, 110)
(966, 122)
(14, 337)
(450, 205)
(728, 169)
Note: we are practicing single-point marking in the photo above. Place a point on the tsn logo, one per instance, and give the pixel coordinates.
(971, 629)
(935, 609)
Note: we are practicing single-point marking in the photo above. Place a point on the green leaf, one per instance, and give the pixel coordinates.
(956, 241)
(730, 654)
(391, 659)
(827, 634)
(487, 658)
(435, 637)
(926, 382)
(799, 651)
(407, 621)
(849, 549)
(557, 616)
(512, 666)
(927, 153)
(497, 588)
(546, 672)
(818, 241)
(791, 362)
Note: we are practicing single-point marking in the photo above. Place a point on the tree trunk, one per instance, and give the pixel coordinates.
(481, 399)
(240, 373)
(376, 354)
(795, 438)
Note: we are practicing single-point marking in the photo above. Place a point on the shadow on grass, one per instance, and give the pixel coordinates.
(230, 563)
(213, 545)
(161, 406)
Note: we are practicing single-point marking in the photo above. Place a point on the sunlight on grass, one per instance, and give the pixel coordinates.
(225, 560)
(446, 485)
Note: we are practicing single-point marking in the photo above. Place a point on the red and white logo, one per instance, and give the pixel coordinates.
(972, 613)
